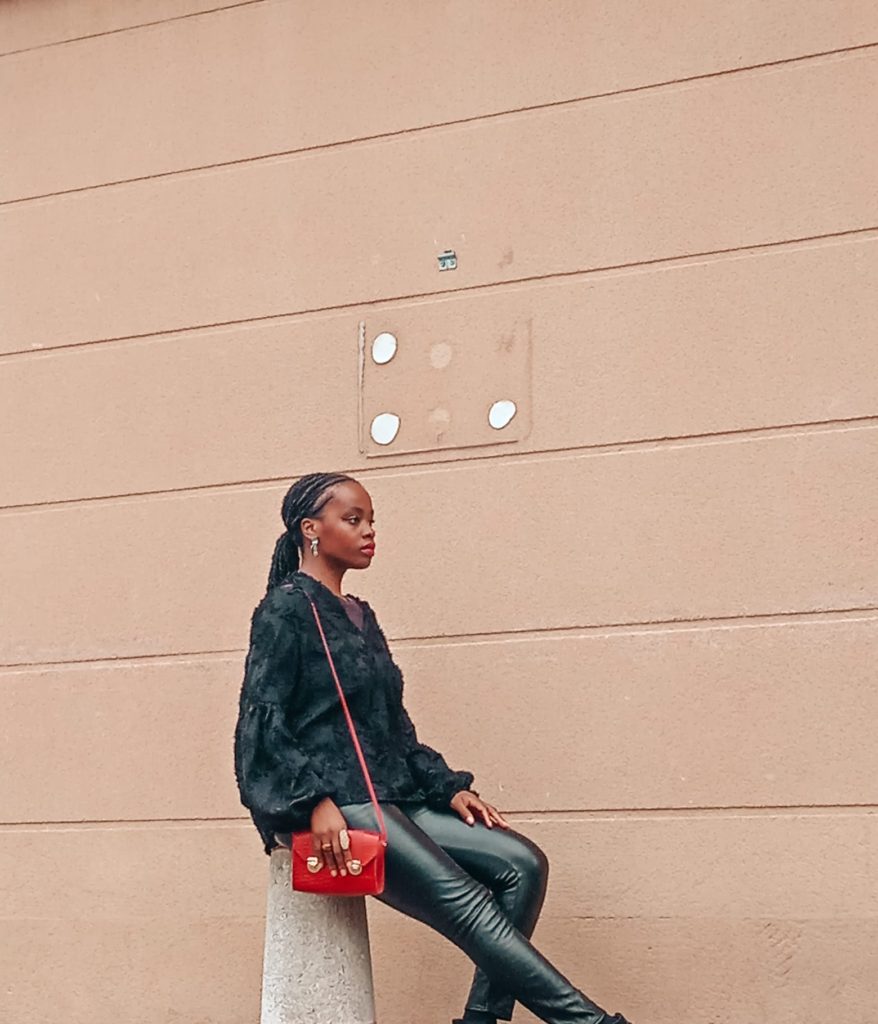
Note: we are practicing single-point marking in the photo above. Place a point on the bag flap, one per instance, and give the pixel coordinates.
(365, 851)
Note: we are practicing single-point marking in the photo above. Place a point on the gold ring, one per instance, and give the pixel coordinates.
(313, 864)
(326, 846)
(344, 840)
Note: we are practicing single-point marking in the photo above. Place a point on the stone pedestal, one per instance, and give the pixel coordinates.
(317, 968)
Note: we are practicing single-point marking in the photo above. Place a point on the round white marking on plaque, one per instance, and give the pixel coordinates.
(439, 418)
(501, 413)
(384, 347)
(385, 427)
(440, 355)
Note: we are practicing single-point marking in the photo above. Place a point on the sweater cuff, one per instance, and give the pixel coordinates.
(456, 781)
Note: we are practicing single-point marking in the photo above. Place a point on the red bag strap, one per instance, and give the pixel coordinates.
(344, 704)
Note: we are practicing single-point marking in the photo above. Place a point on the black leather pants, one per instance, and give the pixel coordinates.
(482, 888)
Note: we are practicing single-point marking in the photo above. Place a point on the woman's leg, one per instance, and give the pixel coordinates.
(511, 865)
(426, 883)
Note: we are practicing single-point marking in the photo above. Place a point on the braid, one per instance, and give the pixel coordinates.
(304, 500)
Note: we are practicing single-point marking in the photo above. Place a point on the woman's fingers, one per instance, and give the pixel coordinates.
(481, 808)
(460, 803)
(498, 817)
(328, 852)
(345, 848)
(326, 844)
(338, 864)
(465, 803)
(316, 848)
(327, 847)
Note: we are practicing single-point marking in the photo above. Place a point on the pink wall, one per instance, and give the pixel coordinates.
(644, 614)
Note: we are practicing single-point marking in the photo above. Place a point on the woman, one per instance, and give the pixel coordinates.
(452, 860)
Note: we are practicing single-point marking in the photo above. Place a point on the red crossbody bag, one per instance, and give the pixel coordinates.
(366, 871)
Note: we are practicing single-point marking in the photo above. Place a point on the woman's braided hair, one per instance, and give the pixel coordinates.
(304, 500)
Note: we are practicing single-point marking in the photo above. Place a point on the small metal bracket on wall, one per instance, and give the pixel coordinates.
(447, 260)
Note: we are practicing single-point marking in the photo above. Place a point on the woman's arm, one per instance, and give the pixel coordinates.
(430, 768)
(446, 788)
(275, 778)
(443, 787)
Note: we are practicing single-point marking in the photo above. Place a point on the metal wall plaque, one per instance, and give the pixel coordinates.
(450, 383)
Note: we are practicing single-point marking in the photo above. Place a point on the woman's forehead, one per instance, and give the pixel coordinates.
(351, 496)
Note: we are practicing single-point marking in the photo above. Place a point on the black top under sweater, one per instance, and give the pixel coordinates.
(292, 746)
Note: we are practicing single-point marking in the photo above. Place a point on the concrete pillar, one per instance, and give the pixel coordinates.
(317, 967)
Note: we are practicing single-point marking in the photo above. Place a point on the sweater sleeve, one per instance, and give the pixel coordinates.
(276, 779)
(429, 767)
(438, 781)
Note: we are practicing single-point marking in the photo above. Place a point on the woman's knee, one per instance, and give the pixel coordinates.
(530, 859)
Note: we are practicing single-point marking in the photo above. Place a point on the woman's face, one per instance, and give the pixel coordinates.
(346, 527)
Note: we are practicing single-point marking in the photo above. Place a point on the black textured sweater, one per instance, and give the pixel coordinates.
(292, 745)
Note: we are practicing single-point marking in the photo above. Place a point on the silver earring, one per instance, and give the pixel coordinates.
(314, 543)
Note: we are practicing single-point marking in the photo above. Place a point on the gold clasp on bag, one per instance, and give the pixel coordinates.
(313, 864)
(355, 867)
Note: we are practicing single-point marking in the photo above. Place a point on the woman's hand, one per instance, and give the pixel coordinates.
(327, 822)
(465, 802)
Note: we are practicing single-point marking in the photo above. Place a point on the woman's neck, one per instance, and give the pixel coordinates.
(328, 576)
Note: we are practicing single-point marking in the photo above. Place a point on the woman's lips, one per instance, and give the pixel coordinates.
(369, 549)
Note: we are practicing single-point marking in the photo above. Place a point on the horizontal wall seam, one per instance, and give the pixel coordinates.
(617, 447)
(490, 287)
(130, 28)
(418, 130)
(572, 814)
(803, 618)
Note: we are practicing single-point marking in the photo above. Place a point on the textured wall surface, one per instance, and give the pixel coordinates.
(647, 619)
